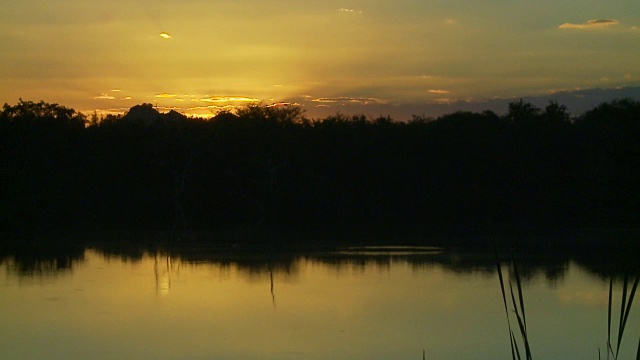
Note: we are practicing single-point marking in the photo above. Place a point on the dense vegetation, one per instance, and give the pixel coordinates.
(269, 169)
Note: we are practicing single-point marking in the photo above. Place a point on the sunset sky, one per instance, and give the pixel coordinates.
(198, 56)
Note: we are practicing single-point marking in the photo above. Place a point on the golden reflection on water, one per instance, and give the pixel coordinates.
(162, 271)
(160, 306)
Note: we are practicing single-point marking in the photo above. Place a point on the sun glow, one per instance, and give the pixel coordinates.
(363, 57)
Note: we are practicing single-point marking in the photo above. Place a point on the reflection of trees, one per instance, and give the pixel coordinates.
(32, 261)
(268, 265)
(552, 266)
(610, 264)
(256, 264)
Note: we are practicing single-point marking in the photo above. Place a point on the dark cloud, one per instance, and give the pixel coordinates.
(577, 101)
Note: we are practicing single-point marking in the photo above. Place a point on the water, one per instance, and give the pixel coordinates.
(349, 305)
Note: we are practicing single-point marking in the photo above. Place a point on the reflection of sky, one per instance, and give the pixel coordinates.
(74, 52)
(160, 307)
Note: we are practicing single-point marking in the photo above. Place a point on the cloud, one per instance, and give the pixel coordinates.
(350, 11)
(211, 110)
(591, 24)
(226, 99)
(165, 96)
(438, 91)
(349, 100)
(283, 103)
(201, 107)
(104, 97)
(167, 108)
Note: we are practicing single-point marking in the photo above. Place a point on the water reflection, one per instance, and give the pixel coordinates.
(356, 303)
(273, 293)
(162, 271)
(40, 262)
(31, 261)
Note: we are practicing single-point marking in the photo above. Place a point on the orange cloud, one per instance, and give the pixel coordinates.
(223, 99)
(350, 100)
(104, 97)
(211, 109)
(591, 24)
(277, 104)
(168, 108)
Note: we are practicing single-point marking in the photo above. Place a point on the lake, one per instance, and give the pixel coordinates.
(357, 303)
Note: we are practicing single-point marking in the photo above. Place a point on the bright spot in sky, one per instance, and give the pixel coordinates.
(165, 35)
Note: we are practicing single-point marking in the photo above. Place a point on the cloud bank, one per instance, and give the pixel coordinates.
(591, 24)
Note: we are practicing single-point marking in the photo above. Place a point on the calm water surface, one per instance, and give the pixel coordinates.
(350, 305)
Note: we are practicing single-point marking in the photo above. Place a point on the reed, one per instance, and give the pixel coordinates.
(518, 308)
(625, 309)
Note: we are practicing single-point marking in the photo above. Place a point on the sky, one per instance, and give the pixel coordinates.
(201, 56)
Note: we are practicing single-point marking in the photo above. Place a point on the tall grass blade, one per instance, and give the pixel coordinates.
(521, 321)
(520, 297)
(625, 308)
(504, 297)
(514, 345)
(622, 308)
(638, 352)
(523, 333)
(630, 301)
(609, 349)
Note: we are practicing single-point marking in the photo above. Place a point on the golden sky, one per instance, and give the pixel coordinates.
(199, 56)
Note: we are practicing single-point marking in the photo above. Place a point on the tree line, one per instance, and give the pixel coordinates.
(272, 170)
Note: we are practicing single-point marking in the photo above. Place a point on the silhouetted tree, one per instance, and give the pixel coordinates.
(520, 111)
(270, 168)
(40, 167)
(555, 112)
